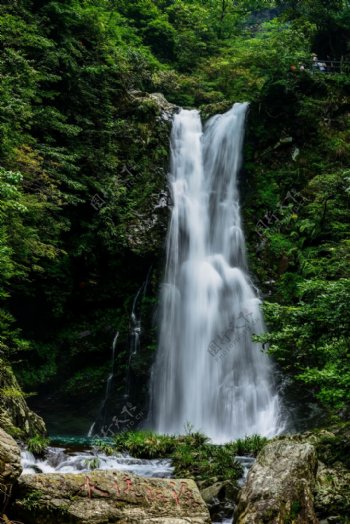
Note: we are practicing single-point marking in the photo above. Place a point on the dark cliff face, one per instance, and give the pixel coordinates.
(130, 228)
(263, 15)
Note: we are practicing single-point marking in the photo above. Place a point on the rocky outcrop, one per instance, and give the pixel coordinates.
(107, 496)
(280, 485)
(148, 119)
(164, 108)
(332, 490)
(332, 493)
(10, 466)
(220, 498)
(15, 416)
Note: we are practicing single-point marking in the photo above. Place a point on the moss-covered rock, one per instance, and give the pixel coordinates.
(332, 489)
(332, 493)
(15, 416)
(155, 103)
(280, 485)
(107, 496)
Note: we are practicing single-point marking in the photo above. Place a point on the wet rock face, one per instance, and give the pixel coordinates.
(280, 486)
(220, 498)
(10, 466)
(107, 496)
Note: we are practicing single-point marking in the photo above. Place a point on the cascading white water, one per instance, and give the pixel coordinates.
(208, 372)
(63, 460)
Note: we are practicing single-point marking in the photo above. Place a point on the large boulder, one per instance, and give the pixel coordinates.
(280, 485)
(107, 496)
(10, 466)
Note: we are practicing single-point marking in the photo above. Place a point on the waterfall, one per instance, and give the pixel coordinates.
(208, 372)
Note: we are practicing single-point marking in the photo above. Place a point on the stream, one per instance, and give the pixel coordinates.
(62, 460)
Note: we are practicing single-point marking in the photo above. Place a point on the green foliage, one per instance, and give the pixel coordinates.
(33, 499)
(37, 445)
(11, 392)
(67, 115)
(294, 512)
(310, 339)
(144, 444)
(105, 447)
(307, 250)
(92, 463)
(255, 61)
(86, 380)
(333, 447)
(193, 456)
(249, 445)
(203, 463)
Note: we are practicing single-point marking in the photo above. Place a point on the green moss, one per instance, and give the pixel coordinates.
(295, 510)
(33, 500)
(11, 392)
(333, 446)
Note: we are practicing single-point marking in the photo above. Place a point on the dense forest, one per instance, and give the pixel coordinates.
(84, 157)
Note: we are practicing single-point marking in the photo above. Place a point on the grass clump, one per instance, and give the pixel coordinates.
(145, 444)
(106, 448)
(37, 445)
(249, 445)
(193, 455)
(206, 464)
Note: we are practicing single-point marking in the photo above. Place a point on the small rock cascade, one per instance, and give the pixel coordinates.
(65, 460)
(135, 329)
(102, 412)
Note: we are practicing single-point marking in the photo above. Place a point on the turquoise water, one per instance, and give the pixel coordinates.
(76, 441)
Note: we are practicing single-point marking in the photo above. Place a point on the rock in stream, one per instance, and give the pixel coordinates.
(280, 485)
(107, 496)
